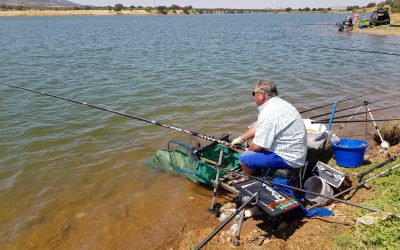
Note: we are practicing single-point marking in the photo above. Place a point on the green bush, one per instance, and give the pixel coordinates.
(118, 7)
(395, 6)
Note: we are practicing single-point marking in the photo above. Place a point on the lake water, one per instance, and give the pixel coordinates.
(75, 177)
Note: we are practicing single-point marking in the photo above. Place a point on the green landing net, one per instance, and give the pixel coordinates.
(179, 159)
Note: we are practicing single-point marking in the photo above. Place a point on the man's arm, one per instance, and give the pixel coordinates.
(250, 133)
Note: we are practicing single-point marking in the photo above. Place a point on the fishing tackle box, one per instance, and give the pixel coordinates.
(332, 176)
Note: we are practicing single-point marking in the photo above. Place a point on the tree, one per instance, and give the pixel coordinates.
(381, 5)
(329, 9)
(371, 5)
(187, 9)
(288, 9)
(395, 6)
(118, 7)
(175, 7)
(314, 9)
(306, 9)
(162, 10)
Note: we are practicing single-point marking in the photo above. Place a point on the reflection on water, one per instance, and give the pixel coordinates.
(72, 176)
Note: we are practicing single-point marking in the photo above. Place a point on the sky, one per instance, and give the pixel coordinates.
(234, 4)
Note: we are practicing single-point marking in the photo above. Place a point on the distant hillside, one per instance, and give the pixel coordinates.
(39, 3)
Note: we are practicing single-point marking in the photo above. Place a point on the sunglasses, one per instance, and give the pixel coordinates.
(255, 92)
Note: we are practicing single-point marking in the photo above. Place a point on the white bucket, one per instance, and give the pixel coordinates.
(317, 185)
(314, 131)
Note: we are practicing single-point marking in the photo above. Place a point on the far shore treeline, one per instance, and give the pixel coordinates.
(176, 9)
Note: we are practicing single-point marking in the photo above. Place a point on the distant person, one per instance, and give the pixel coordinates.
(355, 17)
(279, 135)
(349, 22)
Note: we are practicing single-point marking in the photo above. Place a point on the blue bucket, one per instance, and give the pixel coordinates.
(349, 153)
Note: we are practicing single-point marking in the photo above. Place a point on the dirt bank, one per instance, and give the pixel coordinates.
(384, 30)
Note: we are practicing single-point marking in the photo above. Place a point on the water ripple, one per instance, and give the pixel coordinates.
(194, 72)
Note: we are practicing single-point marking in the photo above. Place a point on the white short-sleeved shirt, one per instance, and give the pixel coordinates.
(280, 129)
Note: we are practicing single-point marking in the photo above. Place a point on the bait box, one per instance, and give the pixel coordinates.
(332, 176)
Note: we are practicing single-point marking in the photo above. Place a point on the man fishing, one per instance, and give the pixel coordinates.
(279, 135)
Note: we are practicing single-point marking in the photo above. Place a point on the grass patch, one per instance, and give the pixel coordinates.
(385, 234)
(346, 241)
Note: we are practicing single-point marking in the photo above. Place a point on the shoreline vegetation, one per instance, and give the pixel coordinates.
(106, 12)
(119, 9)
(10, 8)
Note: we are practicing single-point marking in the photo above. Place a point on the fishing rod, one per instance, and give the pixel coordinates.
(326, 105)
(249, 199)
(243, 206)
(358, 185)
(376, 101)
(271, 183)
(379, 165)
(321, 195)
(344, 116)
(158, 123)
(377, 120)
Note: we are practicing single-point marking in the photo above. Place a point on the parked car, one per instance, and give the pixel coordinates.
(380, 17)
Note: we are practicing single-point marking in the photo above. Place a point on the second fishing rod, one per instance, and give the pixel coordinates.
(355, 106)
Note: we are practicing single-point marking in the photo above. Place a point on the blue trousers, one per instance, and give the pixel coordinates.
(262, 159)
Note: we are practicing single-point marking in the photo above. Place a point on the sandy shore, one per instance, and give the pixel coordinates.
(73, 12)
(380, 30)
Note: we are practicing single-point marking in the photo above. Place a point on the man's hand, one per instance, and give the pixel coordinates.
(237, 141)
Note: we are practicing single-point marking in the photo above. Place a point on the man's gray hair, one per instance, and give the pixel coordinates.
(267, 87)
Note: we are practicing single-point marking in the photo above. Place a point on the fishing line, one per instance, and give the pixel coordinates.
(306, 24)
(359, 50)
